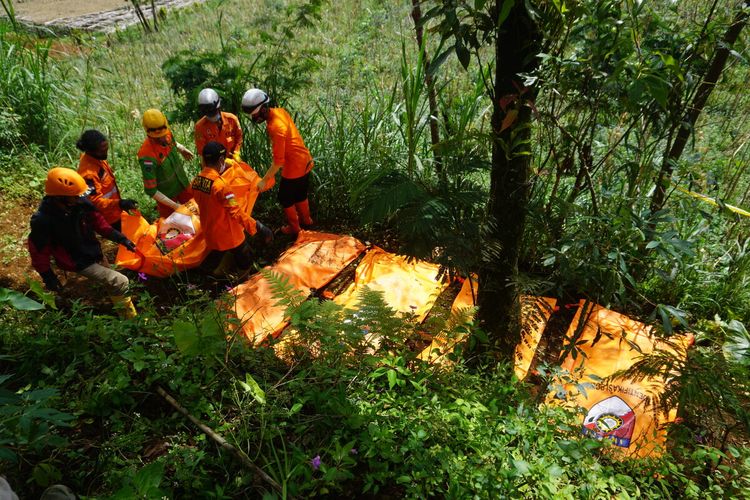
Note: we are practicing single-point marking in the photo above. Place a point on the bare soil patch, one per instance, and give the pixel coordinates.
(92, 15)
(15, 264)
(42, 11)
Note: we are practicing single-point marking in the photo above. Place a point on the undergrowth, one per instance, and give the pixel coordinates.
(337, 407)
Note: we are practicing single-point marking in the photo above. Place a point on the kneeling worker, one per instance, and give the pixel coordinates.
(64, 227)
(223, 222)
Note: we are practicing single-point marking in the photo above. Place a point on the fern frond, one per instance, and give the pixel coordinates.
(386, 194)
(283, 291)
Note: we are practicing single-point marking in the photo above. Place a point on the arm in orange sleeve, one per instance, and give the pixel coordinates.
(237, 137)
(200, 142)
(230, 204)
(278, 147)
(100, 202)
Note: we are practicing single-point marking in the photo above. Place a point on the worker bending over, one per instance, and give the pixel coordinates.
(225, 225)
(64, 228)
(95, 170)
(216, 125)
(289, 155)
(164, 177)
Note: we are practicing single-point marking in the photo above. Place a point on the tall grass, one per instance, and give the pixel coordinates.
(28, 90)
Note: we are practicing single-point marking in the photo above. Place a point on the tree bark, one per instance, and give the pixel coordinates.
(416, 15)
(696, 107)
(517, 42)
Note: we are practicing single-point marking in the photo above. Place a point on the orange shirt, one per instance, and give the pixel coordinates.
(229, 134)
(106, 197)
(288, 148)
(224, 221)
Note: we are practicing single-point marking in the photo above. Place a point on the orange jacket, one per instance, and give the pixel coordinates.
(223, 221)
(288, 148)
(229, 134)
(106, 197)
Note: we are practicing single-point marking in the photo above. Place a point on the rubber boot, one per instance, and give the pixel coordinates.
(291, 217)
(124, 306)
(303, 208)
(225, 266)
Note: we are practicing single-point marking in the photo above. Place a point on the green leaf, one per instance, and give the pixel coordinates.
(463, 54)
(48, 298)
(504, 12)
(7, 455)
(251, 386)
(392, 378)
(46, 474)
(560, 6)
(439, 60)
(522, 467)
(124, 493)
(186, 337)
(19, 301)
(148, 479)
(737, 346)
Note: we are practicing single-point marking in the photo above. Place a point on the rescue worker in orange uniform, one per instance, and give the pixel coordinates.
(164, 177)
(289, 155)
(64, 228)
(227, 227)
(216, 125)
(95, 170)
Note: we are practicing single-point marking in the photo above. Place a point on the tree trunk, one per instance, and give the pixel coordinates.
(416, 15)
(696, 107)
(516, 46)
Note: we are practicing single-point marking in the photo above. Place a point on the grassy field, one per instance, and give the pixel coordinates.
(116, 76)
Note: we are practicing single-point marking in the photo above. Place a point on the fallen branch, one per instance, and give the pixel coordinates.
(220, 441)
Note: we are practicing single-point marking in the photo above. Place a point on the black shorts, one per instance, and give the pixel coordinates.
(293, 191)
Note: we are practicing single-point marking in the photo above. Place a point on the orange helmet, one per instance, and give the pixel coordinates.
(65, 182)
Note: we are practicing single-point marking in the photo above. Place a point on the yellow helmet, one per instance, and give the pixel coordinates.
(65, 182)
(155, 123)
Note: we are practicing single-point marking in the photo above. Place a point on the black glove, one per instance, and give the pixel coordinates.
(262, 233)
(128, 244)
(128, 205)
(50, 281)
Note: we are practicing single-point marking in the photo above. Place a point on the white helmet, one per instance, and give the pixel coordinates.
(209, 102)
(253, 100)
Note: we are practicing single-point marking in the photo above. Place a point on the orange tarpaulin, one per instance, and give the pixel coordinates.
(535, 312)
(313, 261)
(622, 410)
(407, 286)
(155, 258)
